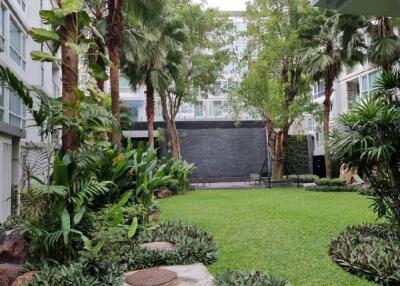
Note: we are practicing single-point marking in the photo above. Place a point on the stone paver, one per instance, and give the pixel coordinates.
(159, 246)
(188, 275)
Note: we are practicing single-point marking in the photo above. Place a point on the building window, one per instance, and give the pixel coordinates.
(186, 108)
(16, 110)
(124, 85)
(319, 89)
(217, 108)
(319, 136)
(310, 124)
(368, 83)
(198, 109)
(134, 113)
(217, 88)
(17, 44)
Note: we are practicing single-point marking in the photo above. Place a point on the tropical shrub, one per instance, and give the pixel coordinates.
(236, 278)
(331, 182)
(181, 171)
(368, 137)
(332, 189)
(303, 178)
(369, 251)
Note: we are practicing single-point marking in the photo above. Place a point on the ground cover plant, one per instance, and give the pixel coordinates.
(237, 278)
(282, 232)
(330, 185)
(370, 251)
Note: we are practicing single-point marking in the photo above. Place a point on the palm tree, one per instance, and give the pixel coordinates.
(384, 49)
(330, 51)
(145, 11)
(114, 42)
(151, 66)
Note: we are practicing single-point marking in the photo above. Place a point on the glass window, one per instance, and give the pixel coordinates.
(217, 88)
(124, 85)
(17, 44)
(217, 108)
(186, 108)
(310, 124)
(17, 110)
(319, 89)
(134, 113)
(198, 109)
(373, 77)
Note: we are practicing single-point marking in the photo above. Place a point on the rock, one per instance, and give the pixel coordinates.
(188, 275)
(23, 280)
(154, 213)
(164, 193)
(13, 247)
(9, 272)
(159, 246)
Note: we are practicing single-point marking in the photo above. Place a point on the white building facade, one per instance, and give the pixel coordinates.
(352, 85)
(215, 106)
(17, 17)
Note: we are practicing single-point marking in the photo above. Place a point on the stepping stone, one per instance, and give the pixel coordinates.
(150, 277)
(159, 246)
(187, 275)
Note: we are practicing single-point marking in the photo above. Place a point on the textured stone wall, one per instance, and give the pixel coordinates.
(224, 153)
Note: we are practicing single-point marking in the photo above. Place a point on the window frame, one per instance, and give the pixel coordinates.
(22, 53)
(22, 116)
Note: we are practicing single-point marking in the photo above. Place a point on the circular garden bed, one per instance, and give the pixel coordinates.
(369, 251)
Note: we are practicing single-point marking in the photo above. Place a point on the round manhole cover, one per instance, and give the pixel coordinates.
(150, 277)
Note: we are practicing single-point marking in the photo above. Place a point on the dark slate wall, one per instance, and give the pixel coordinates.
(224, 153)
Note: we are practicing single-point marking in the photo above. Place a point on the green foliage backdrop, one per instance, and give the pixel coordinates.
(296, 157)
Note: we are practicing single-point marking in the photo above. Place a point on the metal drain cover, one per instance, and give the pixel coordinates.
(150, 277)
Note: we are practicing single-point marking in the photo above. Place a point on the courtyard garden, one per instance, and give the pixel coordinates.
(95, 208)
(284, 232)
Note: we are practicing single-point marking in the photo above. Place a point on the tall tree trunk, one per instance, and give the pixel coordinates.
(70, 70)
(114, 43)
(327, 112)
(150, 103)
(276, 146)
(174, 143)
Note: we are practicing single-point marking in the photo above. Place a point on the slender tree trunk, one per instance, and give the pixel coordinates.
(174, 143)
(150, 103)
(327, 112)
(114, 43)
(70, 70)
(276, 146)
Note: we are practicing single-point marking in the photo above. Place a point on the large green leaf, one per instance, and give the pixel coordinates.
(43, 57)
(133, 227)
(42, 35)
(52, 17)
(72, 6)
(98, 72)
(77, 49)
(65, 225)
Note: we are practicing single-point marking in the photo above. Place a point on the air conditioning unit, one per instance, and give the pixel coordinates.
(2, 44)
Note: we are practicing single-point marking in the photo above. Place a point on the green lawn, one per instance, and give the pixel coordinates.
(285, 232)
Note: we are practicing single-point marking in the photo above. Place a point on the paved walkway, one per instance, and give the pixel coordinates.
(227, 185)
